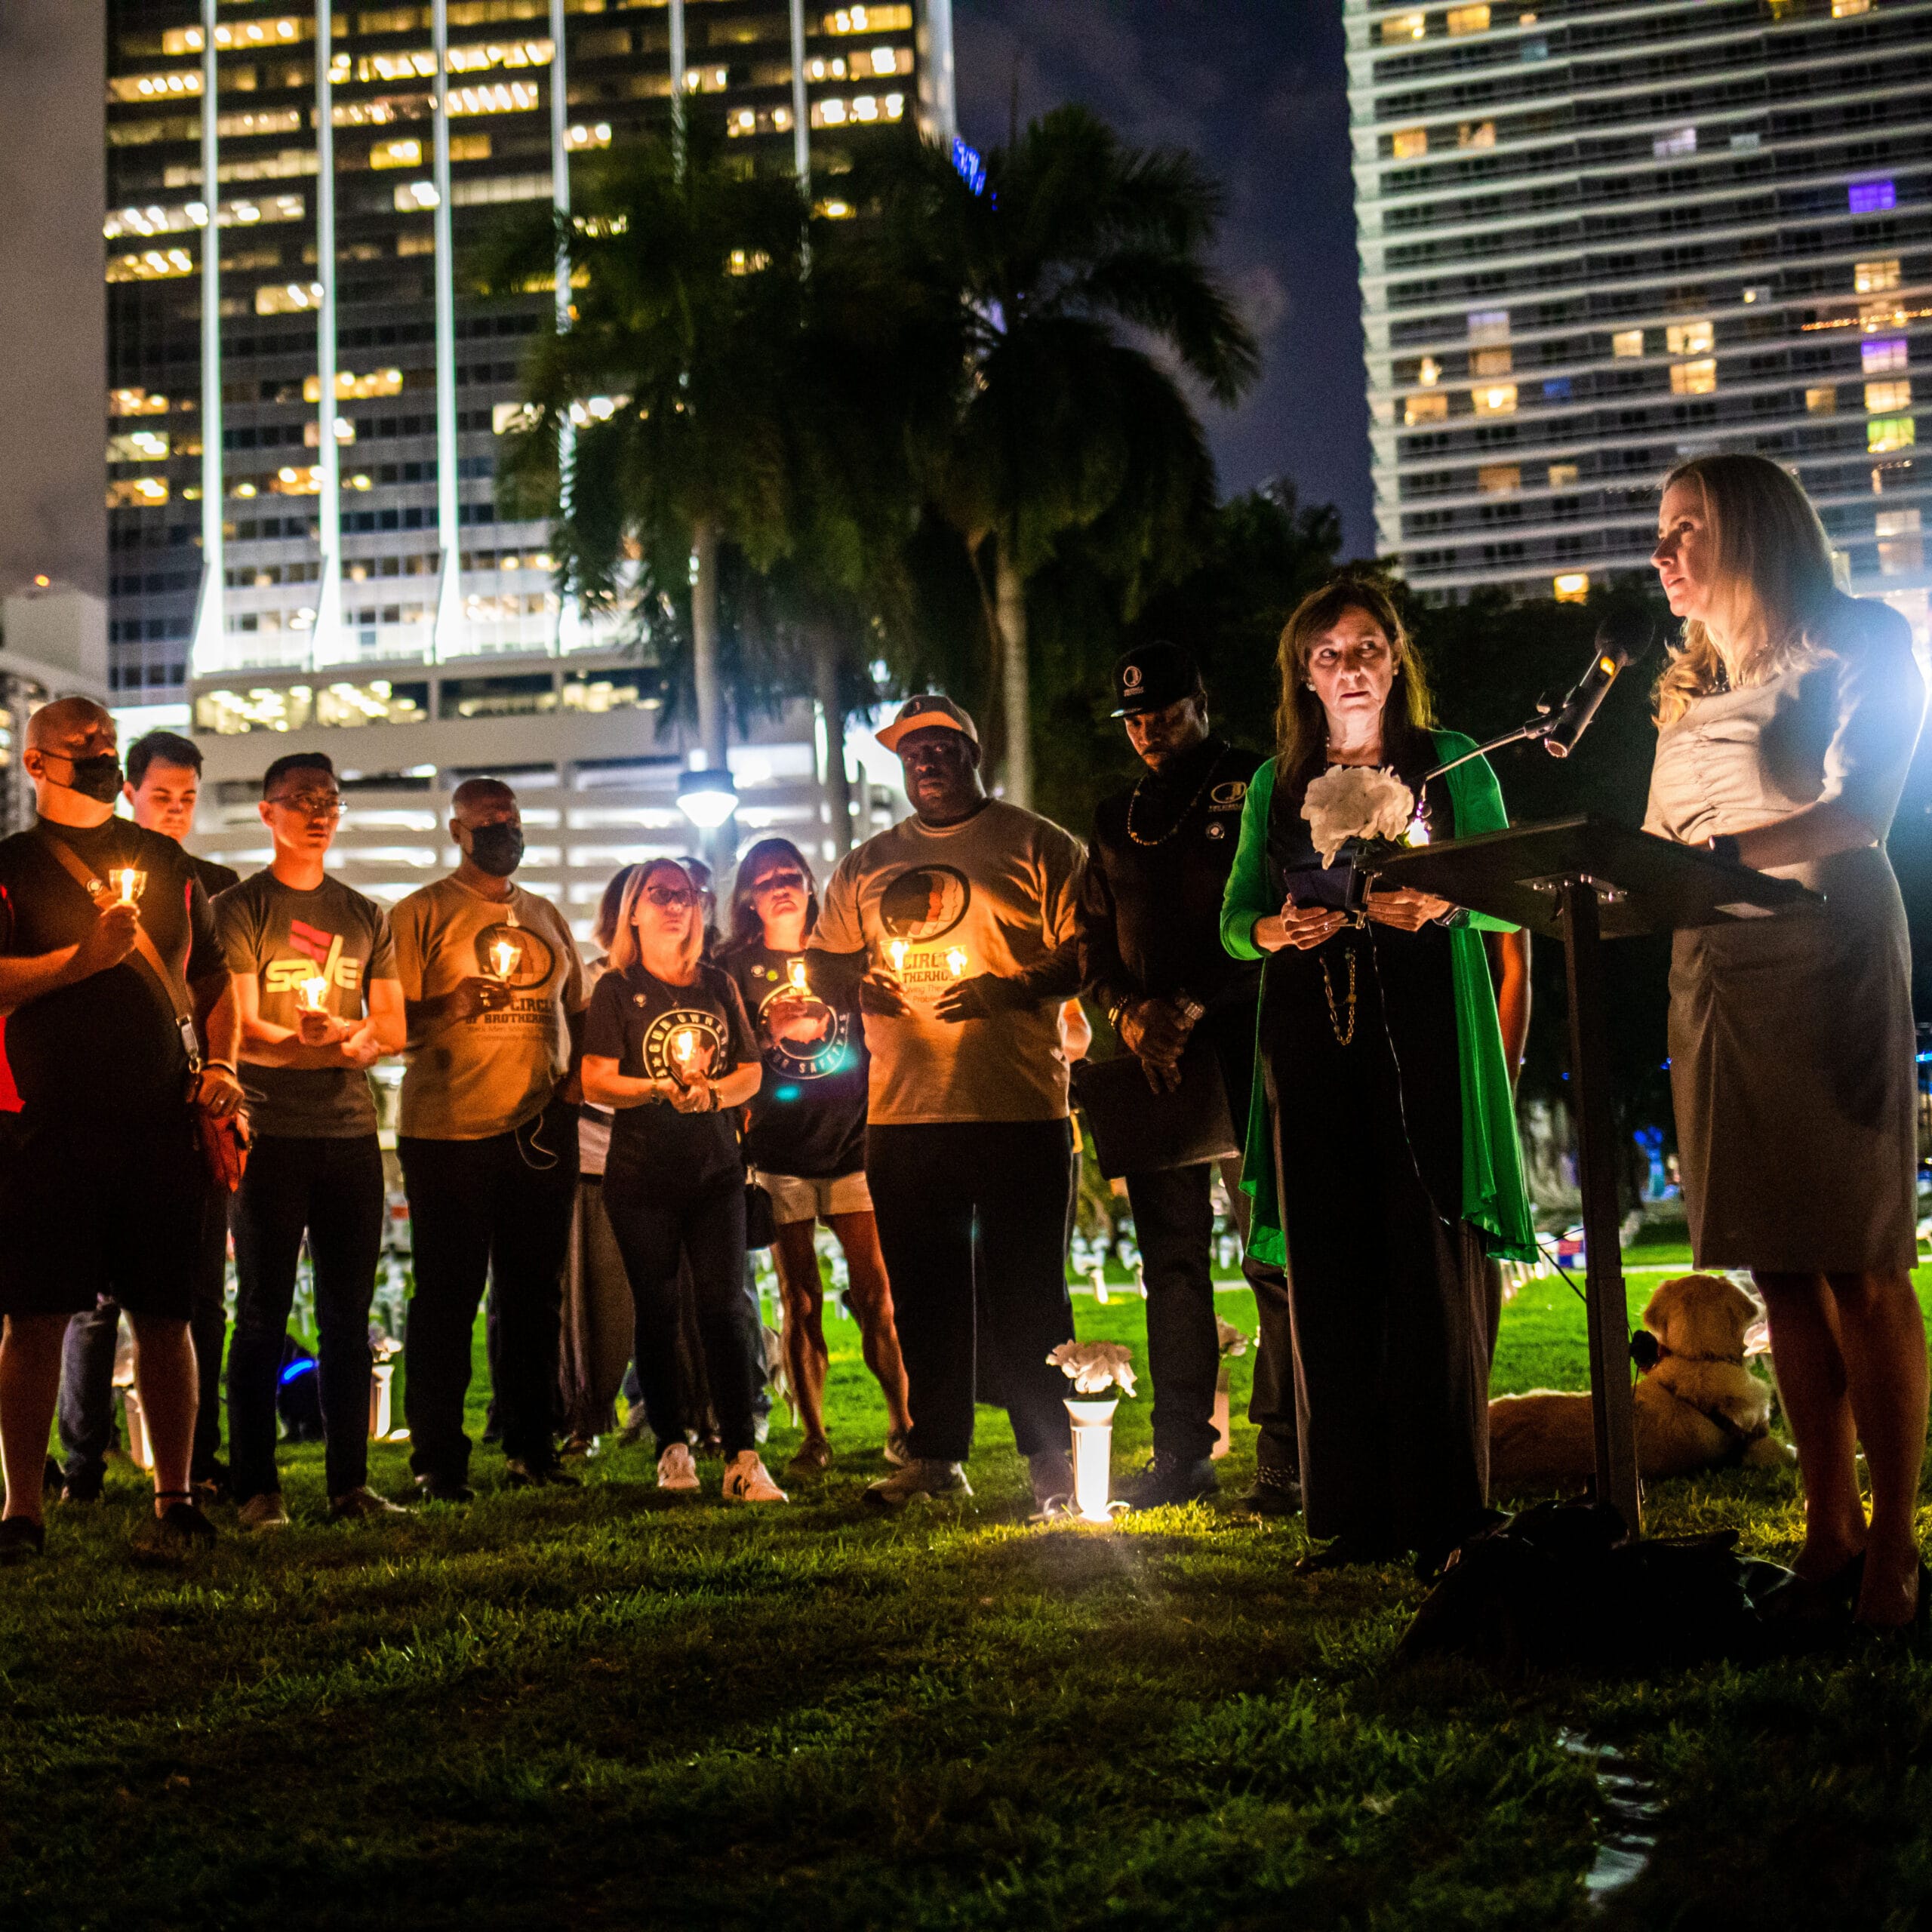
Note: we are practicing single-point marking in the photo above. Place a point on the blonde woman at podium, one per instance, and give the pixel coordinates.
(1787, 719)
(1382, 1152)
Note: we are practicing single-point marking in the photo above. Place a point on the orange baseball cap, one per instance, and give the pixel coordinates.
(928, 709)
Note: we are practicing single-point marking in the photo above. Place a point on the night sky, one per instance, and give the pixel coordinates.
(1255, 88)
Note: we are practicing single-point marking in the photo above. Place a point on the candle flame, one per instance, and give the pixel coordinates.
(127, 882)
(683, 1046)
(956, 960)
(796, 973)
(898, 949)
(314, 991)
(504, 955)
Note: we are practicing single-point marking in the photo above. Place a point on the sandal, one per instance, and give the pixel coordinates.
(180, 1526)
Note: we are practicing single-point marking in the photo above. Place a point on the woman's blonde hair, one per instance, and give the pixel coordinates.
(1301, 725)
(624, 950)
(1773, 560)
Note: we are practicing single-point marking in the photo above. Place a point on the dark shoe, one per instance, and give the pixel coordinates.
(21, 1539)
(1811, 1613)
(362, 1505)
(917, 1481)
(519, 1474)
(1348, 1553)
(178, 1528)
(1169, 1480)
(443, 1489)
(1915, 1627)
(84, 1486)
(1274, 1492)
(212, 1485)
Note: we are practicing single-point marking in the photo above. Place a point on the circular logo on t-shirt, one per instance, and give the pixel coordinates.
(817, 1038)
(924, 902)
(518, 957)
(1225, 797)
(686, 1040)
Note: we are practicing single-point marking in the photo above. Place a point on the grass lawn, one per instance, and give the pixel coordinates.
(600, 1709)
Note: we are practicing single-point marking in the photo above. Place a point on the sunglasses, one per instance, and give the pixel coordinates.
(312, 804)
(666, 896)
(771, 882)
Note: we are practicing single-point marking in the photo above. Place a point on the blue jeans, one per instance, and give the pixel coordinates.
(332, 1191)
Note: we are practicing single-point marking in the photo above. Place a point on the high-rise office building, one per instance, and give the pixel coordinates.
(1596, 239)
(304, 410)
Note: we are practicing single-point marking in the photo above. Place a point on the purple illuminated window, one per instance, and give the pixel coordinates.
(1869, 197)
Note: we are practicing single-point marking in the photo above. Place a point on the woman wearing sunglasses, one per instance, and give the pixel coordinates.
(806, 1144)
(667, 1047)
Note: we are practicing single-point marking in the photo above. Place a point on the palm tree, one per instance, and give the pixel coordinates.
(1085, 306)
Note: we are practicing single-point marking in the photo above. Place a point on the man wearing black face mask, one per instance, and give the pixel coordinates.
(113, 982)
(494, 997)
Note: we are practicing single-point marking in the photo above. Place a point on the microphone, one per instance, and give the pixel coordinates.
(1622, 636)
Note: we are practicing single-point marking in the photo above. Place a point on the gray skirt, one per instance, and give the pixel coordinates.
(1792, 1070)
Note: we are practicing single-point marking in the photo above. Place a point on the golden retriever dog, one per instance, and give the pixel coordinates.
(1697, 1405)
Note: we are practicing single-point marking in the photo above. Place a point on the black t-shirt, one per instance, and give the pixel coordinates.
(809, 1117)
(105, 1052)
(1150, 902)
(215, 879)
(641, 1023)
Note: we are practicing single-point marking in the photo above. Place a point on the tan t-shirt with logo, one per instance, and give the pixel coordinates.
(996, 894)
(468, 1079)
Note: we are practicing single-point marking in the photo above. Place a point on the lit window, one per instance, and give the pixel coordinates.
(870, 20)
(501, 54)
(345, 432)
(1489, 325)
(135, 402)
(396, 154)
(1405, 26)
(1874, 278)
(297, 480)
(1495, 399)
(1469, 20)
(419, 65)
(1556, 389)
(1901, 547)
(1678, 140)
(581, 136)
(1872, 197)
(1476, 134)
(1889, 432)
(156, 265)
(1500, 479)
(1407, 143)
(499, 97)
(1688, 338)
(1758, 291)
(136, 493)
(177, 86)
(1882, 357)
(1424, 409)
(293, 298)
(138, 446)
(275, 121)
(1572, 587)
(1490, 362)
(412, 196)
(833, 210)
(1627, 341)
(1840, 9)
(1698, 378)
(1562, 475)
(1822, 401)
(1429, 371)
(1746, 142)
(1882, 396)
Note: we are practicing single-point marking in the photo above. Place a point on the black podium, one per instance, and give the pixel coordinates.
(1583, 880)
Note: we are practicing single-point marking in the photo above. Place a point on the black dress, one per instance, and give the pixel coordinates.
(1358, 1045)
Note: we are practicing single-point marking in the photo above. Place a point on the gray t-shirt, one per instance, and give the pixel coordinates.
(283, 937)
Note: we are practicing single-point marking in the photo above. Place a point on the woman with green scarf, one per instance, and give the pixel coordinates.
(1382, 1153)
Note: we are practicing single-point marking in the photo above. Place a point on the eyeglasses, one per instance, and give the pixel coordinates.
(772, 882)
(312, 804)
(665, 896)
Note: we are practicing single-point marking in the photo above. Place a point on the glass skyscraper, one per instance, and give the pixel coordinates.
(302, 529)
(1596, 238)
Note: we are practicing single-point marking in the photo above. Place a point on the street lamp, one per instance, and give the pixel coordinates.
(707, 798)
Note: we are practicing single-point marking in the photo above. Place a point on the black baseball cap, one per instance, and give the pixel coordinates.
(1154, 676)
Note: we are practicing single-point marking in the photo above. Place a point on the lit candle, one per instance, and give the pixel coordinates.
(956, 960)
(684, 1048)
(504, 955)
(126, 882)
(795, 972)
(898, 949)
(1418, 830)
(313, 993)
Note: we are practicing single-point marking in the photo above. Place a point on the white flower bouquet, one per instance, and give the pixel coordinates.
(1357, 801)
(1097, 1369)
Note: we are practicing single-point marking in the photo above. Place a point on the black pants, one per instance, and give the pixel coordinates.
(1173, 1227)
(932, 1186)
(499, 1208)
(656, 1222)
(87, 1363)
(330, 1191)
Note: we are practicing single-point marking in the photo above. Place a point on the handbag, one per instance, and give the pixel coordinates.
(224, 1143)
(1137, 1131)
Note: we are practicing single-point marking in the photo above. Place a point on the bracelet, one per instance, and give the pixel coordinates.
(227, 1066)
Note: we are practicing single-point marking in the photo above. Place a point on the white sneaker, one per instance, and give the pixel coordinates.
(675, 1469)
(265, 1512)
(747, 1480)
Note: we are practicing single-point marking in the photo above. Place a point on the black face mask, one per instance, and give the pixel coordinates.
(98, 777)
(496, 849)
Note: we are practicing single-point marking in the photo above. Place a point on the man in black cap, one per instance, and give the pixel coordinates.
(1150, 916)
